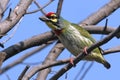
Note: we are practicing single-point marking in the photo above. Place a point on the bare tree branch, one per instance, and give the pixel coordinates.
(3, 7)
(82, 68)
(102, 13)
(2, 57)
(39, 6)
(22, 58)
(12, 34)
(112, 50)
(86, 71)
(23, 73)
(11, 21)
(61, 62)
(28, 43)
(59, 8)
(50, 1)
(8, 77)
(52, 56)
(54, 53)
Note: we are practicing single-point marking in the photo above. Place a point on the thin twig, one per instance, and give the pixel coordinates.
(86, 71)
(104, 29)
(9, 13)
(112, 50)
(13, 33)
(39, 6)
(82, 54)
(59, 8)
(8, 77)
(34, 11)
(50, 1)
(23, 73)
(80, 71)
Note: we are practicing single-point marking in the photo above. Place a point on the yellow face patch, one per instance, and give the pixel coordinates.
(53, 18)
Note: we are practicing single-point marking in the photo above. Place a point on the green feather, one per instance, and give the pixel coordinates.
(83, 32)
(86, 34)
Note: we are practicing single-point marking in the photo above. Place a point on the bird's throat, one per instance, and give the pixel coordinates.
(58, 31)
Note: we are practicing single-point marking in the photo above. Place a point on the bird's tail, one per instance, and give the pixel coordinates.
(106, 64)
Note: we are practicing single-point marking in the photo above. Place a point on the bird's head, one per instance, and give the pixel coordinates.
(52, 20)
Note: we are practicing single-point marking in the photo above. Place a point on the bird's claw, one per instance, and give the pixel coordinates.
(85, 50)
(71, 61)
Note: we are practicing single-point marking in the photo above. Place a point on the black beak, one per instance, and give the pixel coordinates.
(43, 18)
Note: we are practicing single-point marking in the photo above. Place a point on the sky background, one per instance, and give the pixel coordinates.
(74, 11)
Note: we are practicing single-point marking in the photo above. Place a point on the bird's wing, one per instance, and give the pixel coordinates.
(84, 32)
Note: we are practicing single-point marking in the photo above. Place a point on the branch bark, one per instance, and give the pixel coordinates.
(14, 16)
(25, 56)
(3, 7)
(54, 53)
(102, 13)
(28, 43)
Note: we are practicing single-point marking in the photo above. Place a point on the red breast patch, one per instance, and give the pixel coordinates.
(58, 32)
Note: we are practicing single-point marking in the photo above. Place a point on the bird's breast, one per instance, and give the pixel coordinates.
(73, 40)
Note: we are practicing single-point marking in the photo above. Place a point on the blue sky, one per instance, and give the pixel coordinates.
(74, 11)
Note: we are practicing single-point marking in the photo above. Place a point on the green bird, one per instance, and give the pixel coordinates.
(74, 37)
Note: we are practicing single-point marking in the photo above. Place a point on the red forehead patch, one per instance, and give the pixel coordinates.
(49, 14)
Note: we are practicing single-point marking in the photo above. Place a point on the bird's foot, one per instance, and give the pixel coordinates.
(85, 50)
(71, 61)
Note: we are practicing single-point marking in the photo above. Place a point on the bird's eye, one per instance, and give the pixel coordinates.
(53, 19)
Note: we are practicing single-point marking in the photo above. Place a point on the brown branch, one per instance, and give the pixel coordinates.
(112, 50)
(37, 68)
(80, 71)
(22, 58)
(40, 67)
(86, 71)
(59, 8)
(2, 57)
(23, 73)
(50, 1)
(15, 16)
(82, 55)
(52, 56)
(102, 13)
(8, 77)
(54, 53)
(28, 43)
(39, 6)
(3, 7)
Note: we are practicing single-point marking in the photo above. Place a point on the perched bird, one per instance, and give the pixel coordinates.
(74, 37)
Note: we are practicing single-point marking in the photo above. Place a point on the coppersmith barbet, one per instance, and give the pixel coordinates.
(74, 37)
